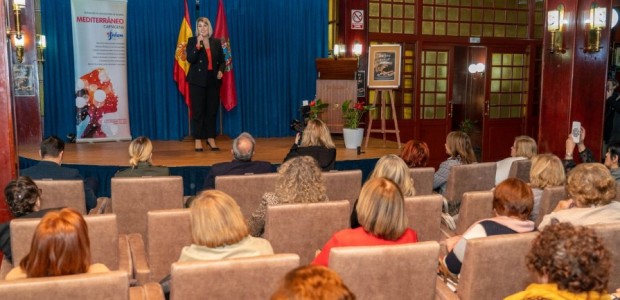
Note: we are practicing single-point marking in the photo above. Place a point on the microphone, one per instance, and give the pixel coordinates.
(202, 45)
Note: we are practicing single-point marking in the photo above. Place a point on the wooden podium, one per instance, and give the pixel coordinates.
(335, 84)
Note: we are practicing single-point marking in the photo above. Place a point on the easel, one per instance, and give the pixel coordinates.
(379, 95)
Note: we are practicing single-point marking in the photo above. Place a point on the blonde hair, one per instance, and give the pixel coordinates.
(140, 150)
(381, 209)
(206, 21)
(591, 184)
(547, 170)
(459, 144)
(525, 146)
(316, 133)
(300, 181)
(216, 220)
(394, 168)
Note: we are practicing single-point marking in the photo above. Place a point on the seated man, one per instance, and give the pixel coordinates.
(51, 152)
(243, 150)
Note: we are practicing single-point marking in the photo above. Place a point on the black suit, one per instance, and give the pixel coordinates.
(51, 170)
(204, 87)
(236, 167)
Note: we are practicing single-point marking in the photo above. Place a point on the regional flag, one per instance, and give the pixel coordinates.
(181, 66)
(228, 92)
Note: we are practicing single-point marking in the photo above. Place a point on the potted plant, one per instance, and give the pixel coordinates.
(352, 114)
(316, 109)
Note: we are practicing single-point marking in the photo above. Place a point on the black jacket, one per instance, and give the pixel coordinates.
(199, 62)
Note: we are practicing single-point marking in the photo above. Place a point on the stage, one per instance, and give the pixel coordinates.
(103, 160)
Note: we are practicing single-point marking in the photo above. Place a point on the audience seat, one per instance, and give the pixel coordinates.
(304, 228)
(105, 286)
(133, 197)
(493, 268)
(422, 180)
(62, 193)
(247, 190)
(610, 233)
(343, 185)
(168, 231)
(520, 169)
(469, 178)
(106, 245)
(424, 214)
(406, 271)
(475, 206)
(549, 200)
(241, 278)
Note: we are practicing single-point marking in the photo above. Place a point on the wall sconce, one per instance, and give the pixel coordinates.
(19, 48)
(598, 21)
(357, 49)
(477, 68)
(339, 50)
(17, 9)
(41, 45)
(555, 26)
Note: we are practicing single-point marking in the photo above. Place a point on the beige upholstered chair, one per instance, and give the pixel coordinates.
(106, 245)
(247, 190)
(62, 193)
(422, 180)
(406, 271)
(493, 268)
(469, 178)
(549, 200)
(475, 206)
(424, 214)
(304, 228)
(520, 169)
(241, 278)
(343, 185)
(617, 192)
(105, 286)
(610, 233)
(133, 197)
(168, 231)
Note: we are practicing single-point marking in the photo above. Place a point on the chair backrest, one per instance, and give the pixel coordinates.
(110, 285)
(102, 231)
(549, 200)
(520, 169)
(424, 214)
(475, 206)
(343, 185)
(610, 233)
(494, 267)
(168, 232)
(422, 180)
(133, 197)
(469, 178)
(617, 192)
(241, 278)
(62, 193)
(388, 272)
(247, 190)
(304, 228)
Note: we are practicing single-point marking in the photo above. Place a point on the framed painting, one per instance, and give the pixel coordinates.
(384, 66)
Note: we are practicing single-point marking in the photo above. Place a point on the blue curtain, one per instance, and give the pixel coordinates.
(274, 45)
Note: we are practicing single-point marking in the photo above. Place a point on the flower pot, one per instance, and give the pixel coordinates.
(353, 137)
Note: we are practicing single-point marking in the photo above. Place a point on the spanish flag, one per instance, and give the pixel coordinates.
(228, 91)
(181, 66)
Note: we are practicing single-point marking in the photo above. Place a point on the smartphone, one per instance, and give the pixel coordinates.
(576, 131)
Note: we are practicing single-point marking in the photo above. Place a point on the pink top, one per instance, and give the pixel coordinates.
(360, 237)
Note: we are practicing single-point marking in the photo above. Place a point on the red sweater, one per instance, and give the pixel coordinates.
(360, 237)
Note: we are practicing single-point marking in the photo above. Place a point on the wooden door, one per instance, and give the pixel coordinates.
(506, 100)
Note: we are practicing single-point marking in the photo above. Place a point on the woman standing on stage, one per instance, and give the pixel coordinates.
(206, 57)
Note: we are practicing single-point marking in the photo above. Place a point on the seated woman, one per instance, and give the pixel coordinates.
(381, 214)
(316, 141)
(570, 262)
(547, 171)
(394, 168)
(300, 181)
(592, 189)
(312, 282)
(24, 200)
(141, 152)
(60, 246)
(219, 230)
(415, 154)
(458, 147)
(524, 147)
(512, 203)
